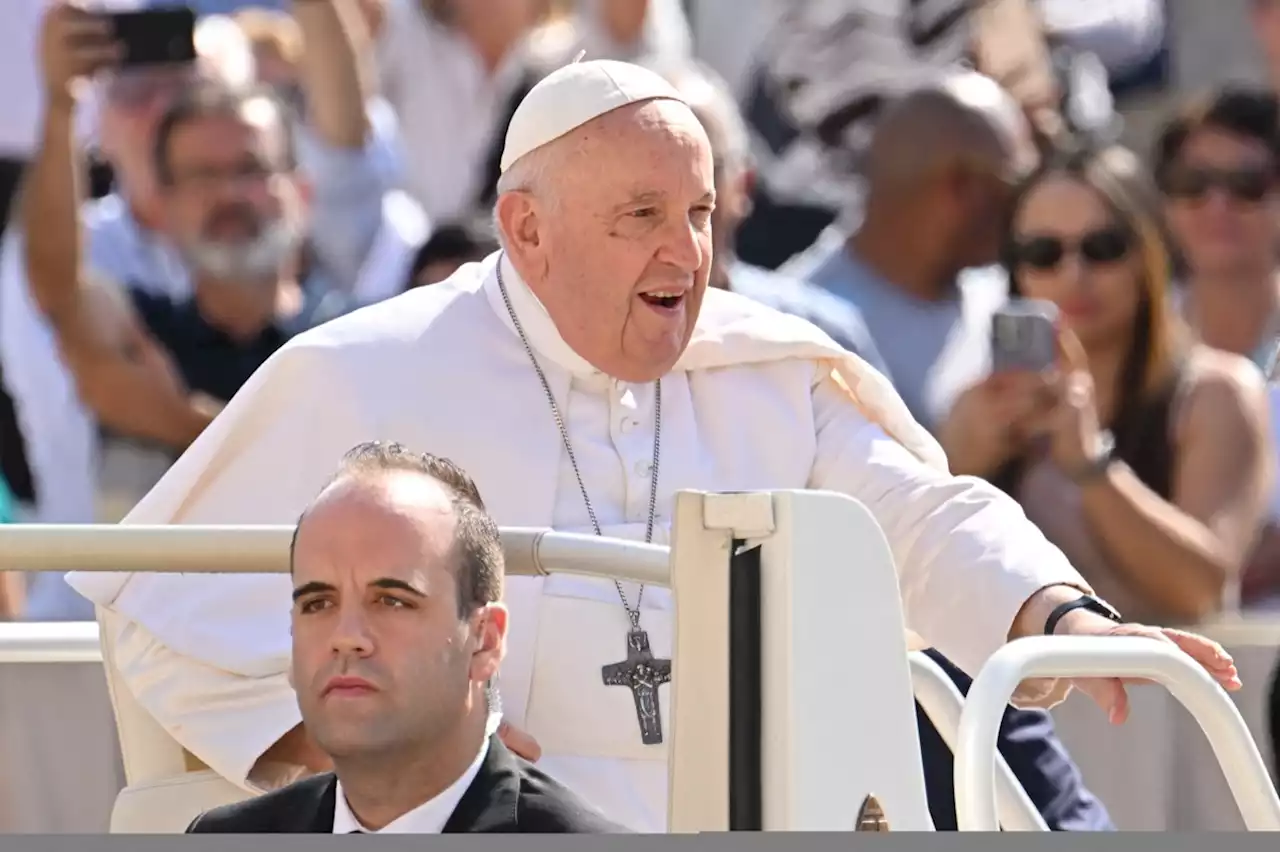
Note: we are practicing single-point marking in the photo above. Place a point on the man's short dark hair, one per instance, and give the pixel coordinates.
(1248, 112)
(478, 544)
(213, 99)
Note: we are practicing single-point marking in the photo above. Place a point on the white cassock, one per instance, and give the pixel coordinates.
(752, 404)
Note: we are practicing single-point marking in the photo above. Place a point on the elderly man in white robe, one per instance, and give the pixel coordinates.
(582, 376)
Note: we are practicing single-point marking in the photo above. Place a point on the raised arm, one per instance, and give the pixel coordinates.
(74, 45)
(345, 165)
(119, 372)
(330, 71)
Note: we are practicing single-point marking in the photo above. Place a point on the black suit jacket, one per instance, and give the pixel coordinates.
(508, 796)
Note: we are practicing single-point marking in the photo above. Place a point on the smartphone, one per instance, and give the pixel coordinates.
(1024, 336)
(156, 36)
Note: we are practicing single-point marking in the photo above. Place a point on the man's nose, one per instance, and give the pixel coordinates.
(351, 632)
(683, 246)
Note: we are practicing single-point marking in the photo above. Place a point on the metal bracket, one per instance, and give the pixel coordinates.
(871, 816)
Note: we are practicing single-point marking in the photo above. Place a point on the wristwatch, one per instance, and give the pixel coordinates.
(1103, 455)
(1089, 602)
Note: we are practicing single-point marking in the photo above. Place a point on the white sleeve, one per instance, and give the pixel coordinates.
(226, 719)
(967, 556)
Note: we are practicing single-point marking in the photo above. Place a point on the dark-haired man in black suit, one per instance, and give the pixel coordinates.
(397, 628)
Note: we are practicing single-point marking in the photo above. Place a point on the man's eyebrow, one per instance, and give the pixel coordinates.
(400, 585)
(314, 587)
(641, 197)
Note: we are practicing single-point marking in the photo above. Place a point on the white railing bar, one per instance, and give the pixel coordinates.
(943, 702)
(50, 642)
(1111, 656)
(192, 549)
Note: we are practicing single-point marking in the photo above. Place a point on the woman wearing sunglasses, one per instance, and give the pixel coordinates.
(1142, 454)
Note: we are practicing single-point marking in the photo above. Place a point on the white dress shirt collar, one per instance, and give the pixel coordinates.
(538, 326)
(428, 818)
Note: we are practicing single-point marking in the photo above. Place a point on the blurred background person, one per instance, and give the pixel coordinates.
(449, 247)
(1161, 525)
(137, 356)
(454, 70)
(920, 266)
(1217, 161)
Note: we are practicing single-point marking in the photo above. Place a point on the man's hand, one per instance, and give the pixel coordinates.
(74, 45)
(1109, 692)
(519, 742)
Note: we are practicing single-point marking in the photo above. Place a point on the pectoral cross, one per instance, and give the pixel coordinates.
(642, 674)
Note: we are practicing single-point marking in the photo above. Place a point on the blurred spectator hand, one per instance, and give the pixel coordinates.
(74, 45)
(987, 425)
(1071, 424)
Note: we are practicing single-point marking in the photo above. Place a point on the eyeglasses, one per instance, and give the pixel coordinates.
(1246, 184)
(1105, 245)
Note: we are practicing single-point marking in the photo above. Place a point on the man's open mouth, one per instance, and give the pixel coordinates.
(664, 299)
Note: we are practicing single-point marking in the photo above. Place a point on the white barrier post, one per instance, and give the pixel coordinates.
(1089, 656)
(943, 704)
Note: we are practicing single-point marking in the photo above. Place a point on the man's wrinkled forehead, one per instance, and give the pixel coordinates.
(624, 140)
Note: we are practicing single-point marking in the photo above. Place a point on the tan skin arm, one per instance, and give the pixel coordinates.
(120, 373)
(624, 19)
(1181, 554)
(330, 71)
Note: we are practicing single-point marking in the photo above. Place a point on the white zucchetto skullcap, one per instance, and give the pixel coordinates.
(571, 96)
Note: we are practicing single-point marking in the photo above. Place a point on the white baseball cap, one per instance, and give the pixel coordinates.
(571, 96)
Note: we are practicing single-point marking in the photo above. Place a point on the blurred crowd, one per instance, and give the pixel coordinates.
(170, 226)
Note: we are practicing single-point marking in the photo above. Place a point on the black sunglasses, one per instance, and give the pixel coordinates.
(1247, 184)
(1105, 245)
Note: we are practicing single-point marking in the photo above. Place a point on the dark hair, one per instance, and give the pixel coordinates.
(1154, 361)
(1240, 110)
(455, 241)
(477, 541)
(209, 99)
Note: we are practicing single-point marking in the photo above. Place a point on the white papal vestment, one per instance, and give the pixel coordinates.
(753, 404)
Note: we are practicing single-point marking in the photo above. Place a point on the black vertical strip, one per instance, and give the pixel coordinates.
(746, 688)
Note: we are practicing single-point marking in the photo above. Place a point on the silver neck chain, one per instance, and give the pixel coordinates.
(632, 612)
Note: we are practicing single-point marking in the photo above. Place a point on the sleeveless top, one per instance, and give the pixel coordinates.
(1147, 443)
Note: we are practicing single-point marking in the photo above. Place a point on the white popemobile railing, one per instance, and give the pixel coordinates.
(764, 609)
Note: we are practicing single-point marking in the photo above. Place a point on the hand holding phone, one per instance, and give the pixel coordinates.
(74, 45)
(1024, 336)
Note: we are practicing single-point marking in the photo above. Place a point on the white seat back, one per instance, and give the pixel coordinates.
(839, 722)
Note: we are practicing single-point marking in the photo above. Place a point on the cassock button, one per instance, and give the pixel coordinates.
(628, 424)
(644, 468)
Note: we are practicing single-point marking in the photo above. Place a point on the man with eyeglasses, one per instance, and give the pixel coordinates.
(1216, 164)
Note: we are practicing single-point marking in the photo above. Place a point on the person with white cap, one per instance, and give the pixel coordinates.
(582, 375)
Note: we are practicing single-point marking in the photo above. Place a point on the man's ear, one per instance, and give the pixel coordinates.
(490, 632)
(520, 225)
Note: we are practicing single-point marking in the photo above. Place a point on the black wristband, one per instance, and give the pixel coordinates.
(1083, 602)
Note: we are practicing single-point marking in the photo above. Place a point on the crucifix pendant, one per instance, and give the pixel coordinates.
(642, 674)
